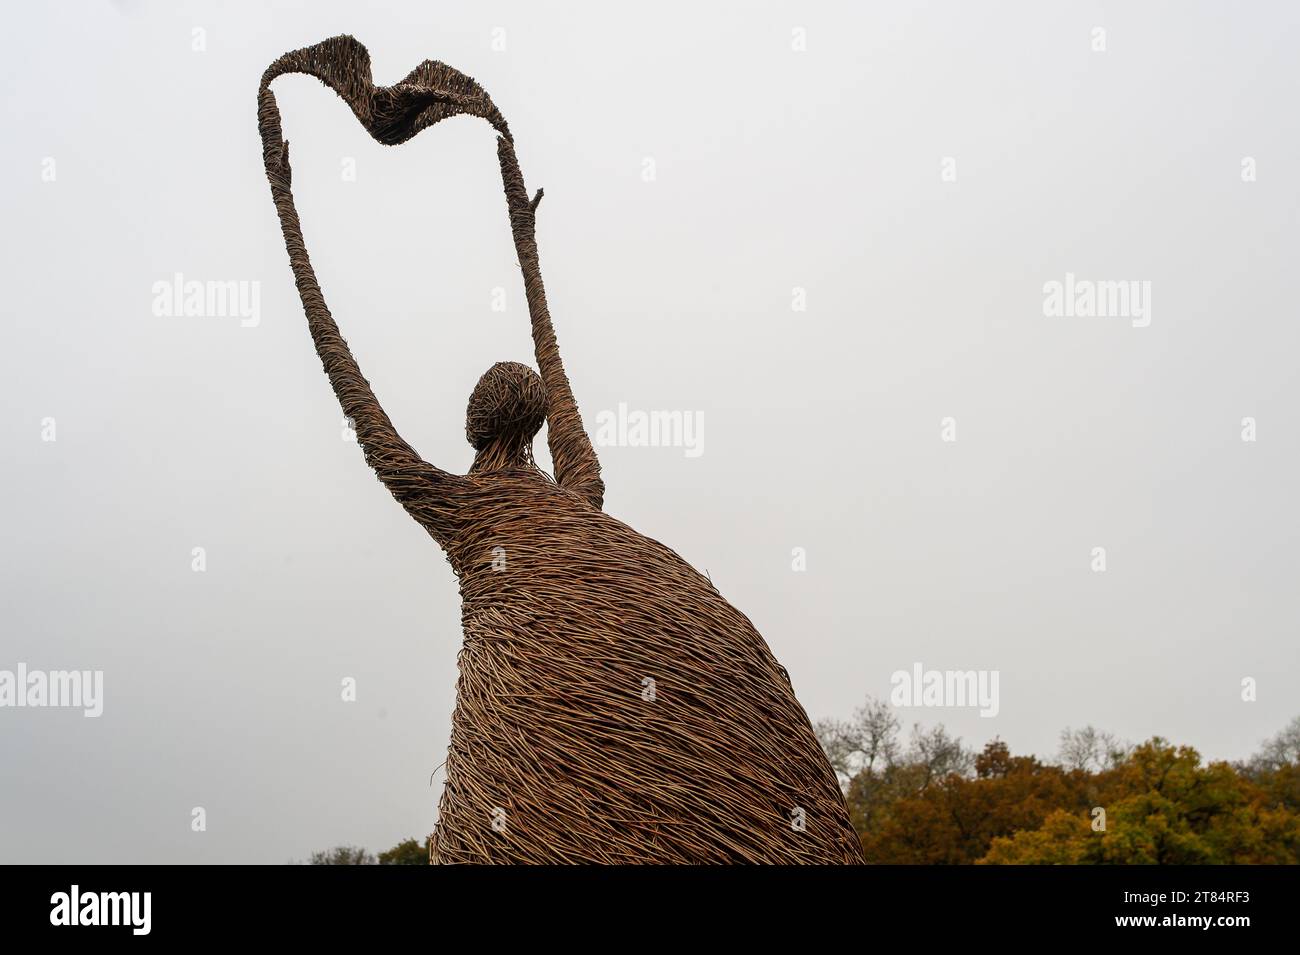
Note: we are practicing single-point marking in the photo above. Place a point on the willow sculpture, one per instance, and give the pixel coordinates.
(612, 707)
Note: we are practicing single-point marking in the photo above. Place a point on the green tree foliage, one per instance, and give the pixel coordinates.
(406, 852)
(1101, 802)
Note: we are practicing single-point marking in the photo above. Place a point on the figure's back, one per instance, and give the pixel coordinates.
(613, 707)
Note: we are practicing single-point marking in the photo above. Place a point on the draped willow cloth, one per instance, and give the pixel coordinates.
(611, 705)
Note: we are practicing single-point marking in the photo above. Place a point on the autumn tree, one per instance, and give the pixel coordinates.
(878, 770)
(1101, 801)
(955, 820)
(1163, 807)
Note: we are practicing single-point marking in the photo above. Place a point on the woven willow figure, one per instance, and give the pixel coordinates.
(612, 706)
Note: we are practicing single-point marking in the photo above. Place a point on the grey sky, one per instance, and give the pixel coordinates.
(774, 169)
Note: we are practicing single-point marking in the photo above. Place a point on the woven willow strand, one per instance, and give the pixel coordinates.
(612, 707)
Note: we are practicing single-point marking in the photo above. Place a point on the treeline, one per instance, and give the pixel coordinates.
(406, 852)
(930, 800)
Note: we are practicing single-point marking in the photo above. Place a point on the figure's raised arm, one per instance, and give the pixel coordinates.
(396, 463)
(576, 465)
(343, 65)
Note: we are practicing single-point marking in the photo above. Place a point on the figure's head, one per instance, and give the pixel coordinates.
(506, 409)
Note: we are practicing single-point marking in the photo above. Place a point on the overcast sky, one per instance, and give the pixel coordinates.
(920, 171)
